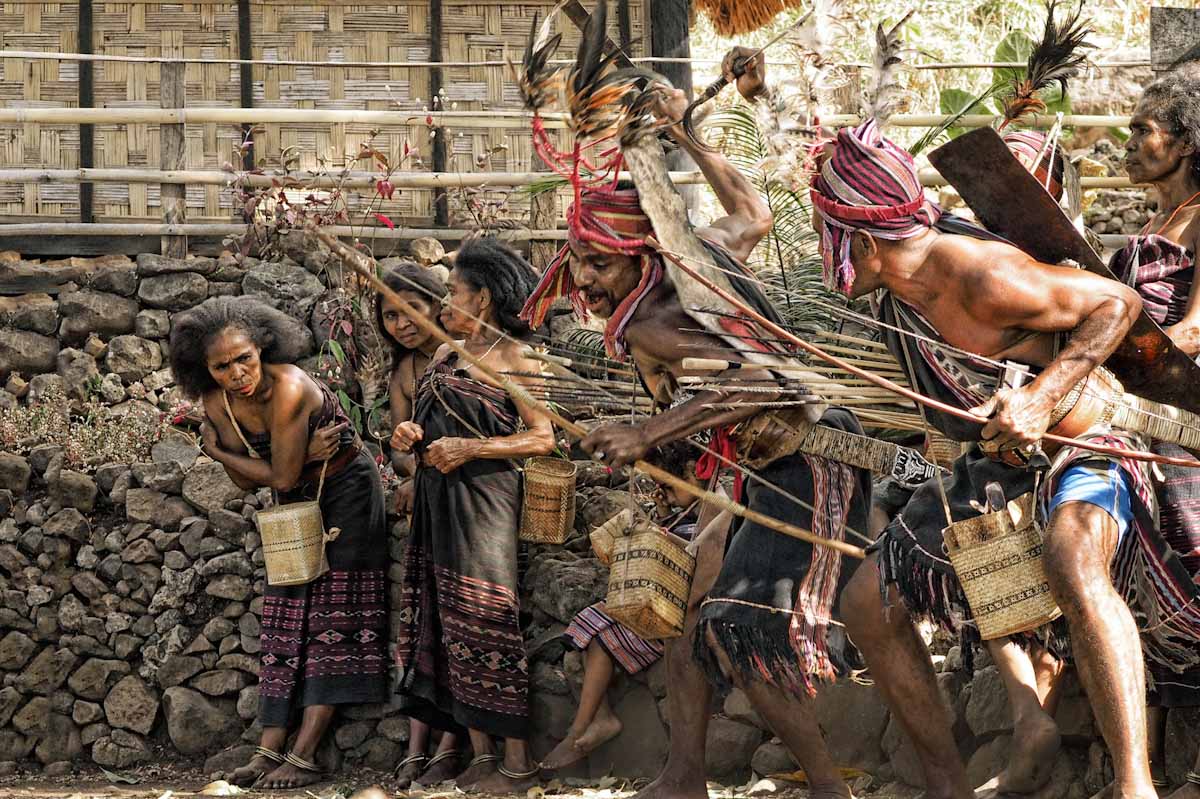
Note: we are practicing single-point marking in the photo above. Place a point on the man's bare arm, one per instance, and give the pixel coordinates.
(1033, 296)
(748, 218)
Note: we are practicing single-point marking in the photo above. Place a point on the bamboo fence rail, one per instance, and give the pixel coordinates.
(228, 229)
(400, 180)
(427, 64)
(477, 119)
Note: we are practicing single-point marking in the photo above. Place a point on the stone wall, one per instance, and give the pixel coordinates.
(130, 592)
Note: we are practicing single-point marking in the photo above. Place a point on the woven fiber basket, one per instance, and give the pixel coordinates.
(941, 450)
(998, 558)
(293, 539)
(649, 580)
(548, 508)
(604, 538)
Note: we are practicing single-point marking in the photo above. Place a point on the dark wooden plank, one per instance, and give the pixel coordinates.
(438, 144)
(246, 76)
(1173, 33)
(669, 38)
(87, 133)
(1010, 202)
(580, 16)
(172, 93)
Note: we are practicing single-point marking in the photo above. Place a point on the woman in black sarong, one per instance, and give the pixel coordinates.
(413, 349)
(1164, 151)
(460, 651)
(324, 643)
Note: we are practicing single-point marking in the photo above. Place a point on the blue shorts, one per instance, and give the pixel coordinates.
(1100, 483)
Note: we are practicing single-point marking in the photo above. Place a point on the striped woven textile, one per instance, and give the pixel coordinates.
(632, 653)
(609, 221)
(866, 183)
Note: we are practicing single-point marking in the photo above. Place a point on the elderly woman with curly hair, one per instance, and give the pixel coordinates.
(1160, 262)
(271, 425)
(460, 651)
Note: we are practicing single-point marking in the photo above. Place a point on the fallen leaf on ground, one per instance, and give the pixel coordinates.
(116, 776)
(221, 788)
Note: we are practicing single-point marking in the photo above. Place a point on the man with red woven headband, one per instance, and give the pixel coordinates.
(980, 306)
(767, 621)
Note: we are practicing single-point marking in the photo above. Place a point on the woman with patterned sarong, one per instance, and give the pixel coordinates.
(270, 424)
(1160, 264)
(412, 349)
(461, 656)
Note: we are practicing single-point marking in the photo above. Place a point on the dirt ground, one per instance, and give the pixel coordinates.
(173, 782)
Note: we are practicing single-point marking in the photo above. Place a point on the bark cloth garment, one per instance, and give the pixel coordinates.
(325, 642)
(628, 649)
(1162, 272)
(1149, 577)
(773, 607)
(460, 652)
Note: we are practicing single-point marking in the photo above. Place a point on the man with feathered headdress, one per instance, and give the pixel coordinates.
(768, 622)
(957, 310)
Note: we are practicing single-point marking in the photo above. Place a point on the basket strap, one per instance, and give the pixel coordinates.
(237, 428)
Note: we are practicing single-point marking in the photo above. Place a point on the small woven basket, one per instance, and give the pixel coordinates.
(548, 507)
(293, 540)
(649, 580)
(941, 450)
(998, 559)
(604, 538)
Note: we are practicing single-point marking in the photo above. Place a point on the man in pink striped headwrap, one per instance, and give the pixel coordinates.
(978, 305)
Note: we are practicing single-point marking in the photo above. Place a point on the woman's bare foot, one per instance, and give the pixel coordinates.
(253, 771)
(441, 768)
(603, 729)
(482, 766)
(565, 753)
(499, 783)
(409, 769)
(1031, 762)
(287, 777)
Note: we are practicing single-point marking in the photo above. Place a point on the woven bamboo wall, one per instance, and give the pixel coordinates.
(39, 84)
(282, 30)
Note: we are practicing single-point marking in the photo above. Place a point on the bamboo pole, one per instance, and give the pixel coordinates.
(401, 180)
(172, 91)
(463, 119)
(365, 268)
(236, 116)
(226, 229)
(58, 56)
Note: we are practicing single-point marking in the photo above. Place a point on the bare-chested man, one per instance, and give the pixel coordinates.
(989, 299)
(763, 626)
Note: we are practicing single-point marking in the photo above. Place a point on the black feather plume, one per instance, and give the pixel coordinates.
(1056, 59)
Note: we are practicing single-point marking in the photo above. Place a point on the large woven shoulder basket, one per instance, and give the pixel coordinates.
(998, 559)
(293, 539)
(605, 536)
(649, 580)
(548, 507)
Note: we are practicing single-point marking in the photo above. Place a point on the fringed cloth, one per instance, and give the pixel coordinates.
(459, 649)
(325, 642)
(772, 609)
(1162, 272)
(912, 555)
